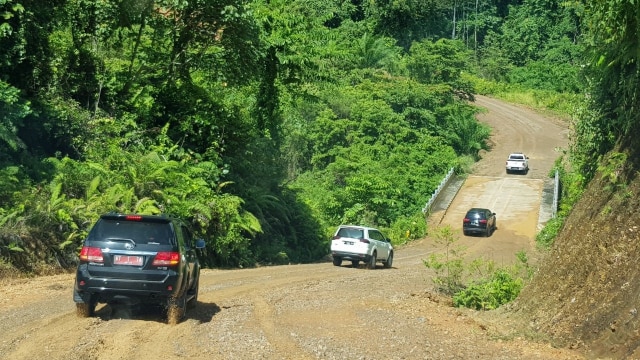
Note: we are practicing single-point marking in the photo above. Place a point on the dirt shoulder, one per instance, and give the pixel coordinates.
(313, 311)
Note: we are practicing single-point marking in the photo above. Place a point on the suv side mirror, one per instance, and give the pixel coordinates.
(200, 244)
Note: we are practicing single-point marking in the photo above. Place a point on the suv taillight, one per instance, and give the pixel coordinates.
(91, 254)
(466, 220)
(483, 221)
(166, 258)
(363, 240)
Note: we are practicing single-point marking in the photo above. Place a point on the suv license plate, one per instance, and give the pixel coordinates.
(127, 260)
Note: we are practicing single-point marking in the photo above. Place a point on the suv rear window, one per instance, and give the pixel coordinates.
(140, 232)
(476, 214)
(351, 233)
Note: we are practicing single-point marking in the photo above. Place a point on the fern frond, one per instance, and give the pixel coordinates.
(70, 240)
(4, 219)
(93, 187)
(222, 185)
(146, 206)
(249, 223)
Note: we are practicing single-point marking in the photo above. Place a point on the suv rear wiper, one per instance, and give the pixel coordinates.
(121, 240)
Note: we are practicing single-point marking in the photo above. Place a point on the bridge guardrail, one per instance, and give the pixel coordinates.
(427, 207)
(556, 195)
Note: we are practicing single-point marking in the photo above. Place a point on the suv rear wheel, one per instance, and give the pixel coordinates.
(193, 292)
(372, 261)
(337, 261)
(389, 261)
(176, 309)
(85, 310)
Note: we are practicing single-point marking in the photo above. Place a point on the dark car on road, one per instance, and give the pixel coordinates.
(479, 221)
(138, 259)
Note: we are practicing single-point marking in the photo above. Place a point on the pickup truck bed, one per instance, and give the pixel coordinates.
(517, 162)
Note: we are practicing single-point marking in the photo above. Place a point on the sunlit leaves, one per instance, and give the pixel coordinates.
(12, 112)
(441, 62)
(374, 51)
(409, 20)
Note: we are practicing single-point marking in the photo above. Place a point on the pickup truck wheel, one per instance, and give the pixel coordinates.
(355, 263)
(176, 309)
(372, 261)
(337, 261)
(389, 262)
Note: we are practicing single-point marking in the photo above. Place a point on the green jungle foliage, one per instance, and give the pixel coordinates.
(501, 288)
(479, 284)
(448, 265)
(268, 123)
(611, 113)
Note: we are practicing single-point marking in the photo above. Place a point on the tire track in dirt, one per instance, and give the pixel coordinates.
(266, 318)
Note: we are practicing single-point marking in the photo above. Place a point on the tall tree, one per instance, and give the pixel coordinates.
(411, 20)
(25, 27)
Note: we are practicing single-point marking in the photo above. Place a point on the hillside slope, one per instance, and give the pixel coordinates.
(586, 293)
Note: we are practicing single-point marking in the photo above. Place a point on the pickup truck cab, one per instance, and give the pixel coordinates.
(517, 162)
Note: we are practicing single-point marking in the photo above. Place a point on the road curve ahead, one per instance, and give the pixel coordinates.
(515, 198)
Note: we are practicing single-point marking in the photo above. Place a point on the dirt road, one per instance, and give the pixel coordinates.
(515, 198)
(314, 311)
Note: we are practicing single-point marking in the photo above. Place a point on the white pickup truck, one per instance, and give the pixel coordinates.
(517, 162)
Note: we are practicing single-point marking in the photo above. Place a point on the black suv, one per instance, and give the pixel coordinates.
(479, 220)
(138, 259)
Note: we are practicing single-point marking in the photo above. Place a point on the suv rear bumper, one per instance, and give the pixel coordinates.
(93, 289)
(474, 229)
(350, 256)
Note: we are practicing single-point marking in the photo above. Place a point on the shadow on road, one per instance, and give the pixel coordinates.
(203, 312)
